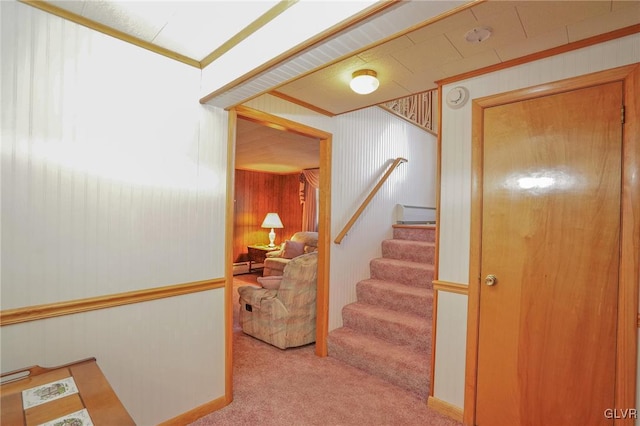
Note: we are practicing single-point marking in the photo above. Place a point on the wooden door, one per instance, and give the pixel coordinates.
(551, 235)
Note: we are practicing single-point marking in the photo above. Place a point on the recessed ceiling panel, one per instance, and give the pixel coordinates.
(143, 20)
(198, 28)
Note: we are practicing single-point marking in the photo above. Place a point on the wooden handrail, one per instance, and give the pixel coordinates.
(364, 204)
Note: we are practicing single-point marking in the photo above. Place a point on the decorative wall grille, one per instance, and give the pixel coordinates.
(418, 109)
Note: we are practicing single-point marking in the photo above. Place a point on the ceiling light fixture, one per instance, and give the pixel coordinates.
(364, 81)
(478, 34)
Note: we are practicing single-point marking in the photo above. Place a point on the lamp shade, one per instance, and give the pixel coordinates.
(272, 220)
(364, 81)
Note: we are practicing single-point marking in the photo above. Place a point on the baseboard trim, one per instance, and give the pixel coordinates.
(49, 310)
(445, 408)
(198, 412)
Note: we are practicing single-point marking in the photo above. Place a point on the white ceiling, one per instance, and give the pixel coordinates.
(263, 149)
(191, 28)
(410, 44)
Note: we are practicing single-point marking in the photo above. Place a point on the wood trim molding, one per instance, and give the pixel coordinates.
(279, 123)
(196, 413)
(436, 259)
(446, 408)
(85, 22)
(228, 257)
(450, 287)
(324, 246)
(303, 104)
(260, 22)
(627, 313)
(622, 32)
(324, 217)
(627, 349)
(49, 310)
(225, 47)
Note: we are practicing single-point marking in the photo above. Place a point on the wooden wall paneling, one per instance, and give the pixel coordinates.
(257, 194)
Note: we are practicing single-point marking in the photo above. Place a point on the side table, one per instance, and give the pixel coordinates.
(94, 394)
(258, 253)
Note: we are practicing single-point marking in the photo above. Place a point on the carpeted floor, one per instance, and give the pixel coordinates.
(295, 387)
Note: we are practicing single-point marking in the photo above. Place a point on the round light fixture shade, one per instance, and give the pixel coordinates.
(364, 81)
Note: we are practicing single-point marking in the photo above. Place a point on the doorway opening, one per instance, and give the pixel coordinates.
(324, 221)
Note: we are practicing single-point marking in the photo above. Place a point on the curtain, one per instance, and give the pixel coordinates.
(309, 187)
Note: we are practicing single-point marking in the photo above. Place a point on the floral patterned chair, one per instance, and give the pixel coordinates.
(300, 243)
(283, 315)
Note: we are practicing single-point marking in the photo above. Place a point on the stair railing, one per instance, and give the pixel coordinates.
(366, 202)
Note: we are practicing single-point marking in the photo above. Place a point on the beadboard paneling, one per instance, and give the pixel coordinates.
(364, 144)
(448, 378)
(257, 194)
(113, 180)
(162, 358)
(455, 188)
(109, 187)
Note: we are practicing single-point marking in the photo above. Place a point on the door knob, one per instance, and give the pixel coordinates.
(491, 280)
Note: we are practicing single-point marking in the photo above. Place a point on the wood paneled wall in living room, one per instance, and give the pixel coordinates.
(257, 194)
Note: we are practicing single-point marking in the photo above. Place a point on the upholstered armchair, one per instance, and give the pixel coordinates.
(300, 243)
(284, 315)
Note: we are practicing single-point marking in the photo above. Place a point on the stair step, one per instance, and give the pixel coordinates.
(414, 251)
(392, 326)
(396, 296)
(415, 232)
(399, 365)
(405, 272)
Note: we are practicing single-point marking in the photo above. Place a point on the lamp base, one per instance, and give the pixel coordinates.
(272, 238)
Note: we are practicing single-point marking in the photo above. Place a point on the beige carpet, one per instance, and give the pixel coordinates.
(295, 387)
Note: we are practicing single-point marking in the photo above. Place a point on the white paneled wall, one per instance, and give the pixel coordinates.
(456, 181)
(364, 144)
(451, 348)
(108, 185)
(113, 180)
(162, 358)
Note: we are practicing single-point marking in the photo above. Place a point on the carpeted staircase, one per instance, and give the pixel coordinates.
(387, 331)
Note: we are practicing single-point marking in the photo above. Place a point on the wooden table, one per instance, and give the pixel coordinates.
(258, 253)
(94, 393)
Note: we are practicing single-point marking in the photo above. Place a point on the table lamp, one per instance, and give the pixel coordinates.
(272, 220)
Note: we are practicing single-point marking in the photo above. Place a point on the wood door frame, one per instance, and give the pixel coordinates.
(324, 226)
(627, 321)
